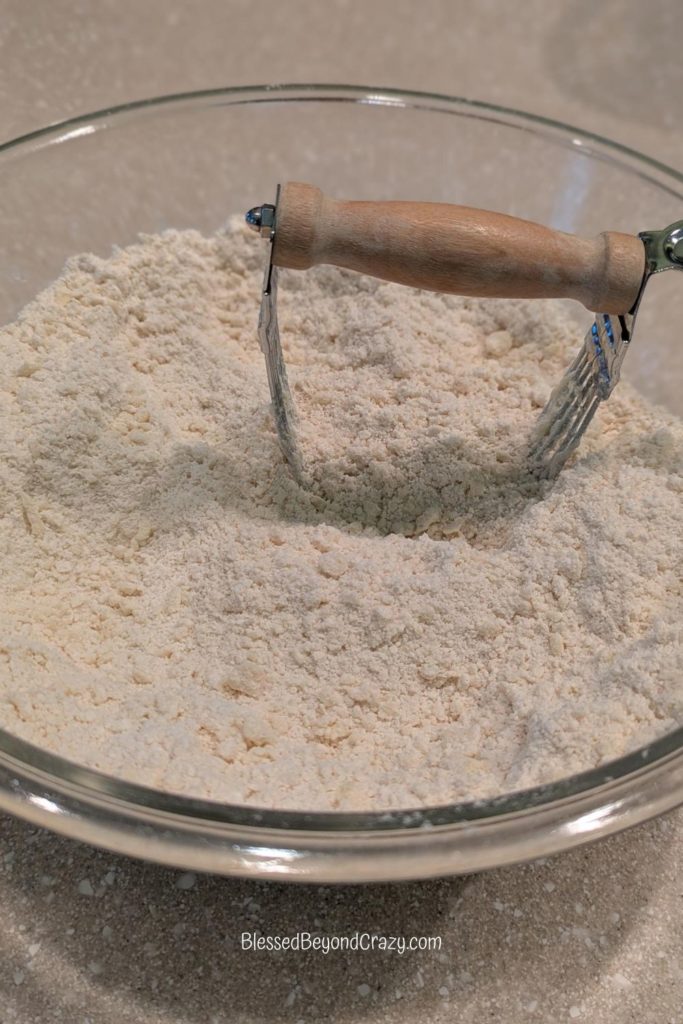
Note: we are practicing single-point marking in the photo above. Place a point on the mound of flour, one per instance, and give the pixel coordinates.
(420, 623)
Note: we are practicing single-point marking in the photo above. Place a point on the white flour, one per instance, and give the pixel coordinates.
(422, 625)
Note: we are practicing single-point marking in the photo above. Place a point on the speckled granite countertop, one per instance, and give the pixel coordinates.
(596, 935)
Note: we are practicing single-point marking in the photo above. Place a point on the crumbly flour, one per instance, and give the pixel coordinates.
(421, 623)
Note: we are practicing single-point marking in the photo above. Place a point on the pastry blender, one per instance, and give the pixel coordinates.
(445, 248)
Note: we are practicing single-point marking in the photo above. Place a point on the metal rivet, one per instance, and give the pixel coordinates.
(253, 218)
(262, 219)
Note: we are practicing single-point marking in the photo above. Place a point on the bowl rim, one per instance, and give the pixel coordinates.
(317, 91)
(56, 793)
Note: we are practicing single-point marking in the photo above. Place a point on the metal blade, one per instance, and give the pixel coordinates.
(269, 338)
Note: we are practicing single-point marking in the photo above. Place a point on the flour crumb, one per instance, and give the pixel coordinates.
(186, 881)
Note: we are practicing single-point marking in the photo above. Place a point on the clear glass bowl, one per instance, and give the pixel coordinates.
(189, 161)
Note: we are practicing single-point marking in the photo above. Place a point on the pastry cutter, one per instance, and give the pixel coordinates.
(457, 249)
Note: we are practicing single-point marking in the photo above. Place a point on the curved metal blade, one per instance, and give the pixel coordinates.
(589, 381)
(281, 397)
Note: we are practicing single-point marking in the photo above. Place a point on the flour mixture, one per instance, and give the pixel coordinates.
(422, 623)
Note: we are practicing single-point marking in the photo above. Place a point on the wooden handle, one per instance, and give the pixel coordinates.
(457, 249)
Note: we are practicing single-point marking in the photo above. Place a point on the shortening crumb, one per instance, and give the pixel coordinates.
(421, 623)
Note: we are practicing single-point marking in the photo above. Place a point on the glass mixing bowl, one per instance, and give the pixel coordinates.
(189, 161)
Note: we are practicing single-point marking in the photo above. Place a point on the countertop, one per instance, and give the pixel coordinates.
(595, 935)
